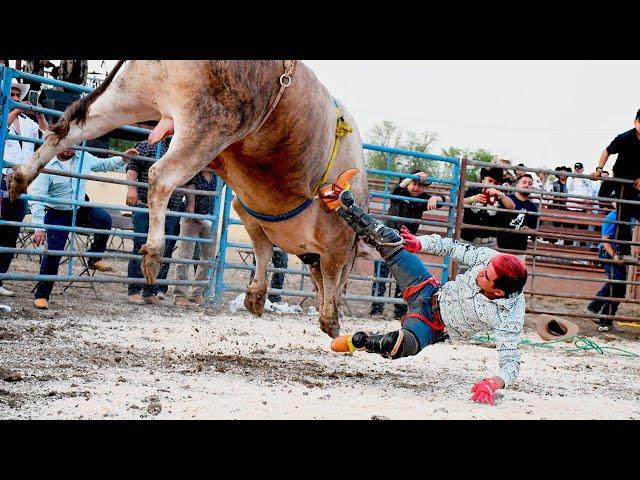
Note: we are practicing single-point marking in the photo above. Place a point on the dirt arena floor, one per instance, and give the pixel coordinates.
(88, 358)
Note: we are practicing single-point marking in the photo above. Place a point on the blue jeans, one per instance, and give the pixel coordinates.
(88, 217)
(408, 270)
(141, 225)
(14, 212)
(613, 272)
(378, 289)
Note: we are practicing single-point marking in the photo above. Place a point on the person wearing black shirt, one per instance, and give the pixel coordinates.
(409, 188)
(489, 197)
(627, 146)
(519, 220)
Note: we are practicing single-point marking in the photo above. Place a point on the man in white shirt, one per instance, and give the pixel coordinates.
(57, 188)
(579, 186)
(488, 297)
(17, 152)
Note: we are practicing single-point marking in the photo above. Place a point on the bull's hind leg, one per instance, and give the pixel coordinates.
(108, 112)
(263, 250)
(181, 163)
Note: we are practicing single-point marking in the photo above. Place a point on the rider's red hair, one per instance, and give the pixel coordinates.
(511, 273)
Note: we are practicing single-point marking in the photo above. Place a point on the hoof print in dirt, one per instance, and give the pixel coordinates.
(379, 417)
(9, 376)
(154, 407)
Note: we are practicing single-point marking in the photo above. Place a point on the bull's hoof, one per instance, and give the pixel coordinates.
(150, 264)
(254, 301)
(332, 329)
(18, 183)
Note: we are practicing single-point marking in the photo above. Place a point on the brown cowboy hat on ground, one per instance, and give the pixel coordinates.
(554, 328)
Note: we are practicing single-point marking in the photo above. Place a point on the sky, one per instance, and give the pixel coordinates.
(536, 112)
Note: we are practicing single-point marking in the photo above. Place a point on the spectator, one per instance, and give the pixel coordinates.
(36, 67)
(51, 213)
(627, 146)
(196, 228)
(542, 182)
(489, 197)
(508, 177)
(607, 190)
(519, 220)
(73, 71)
(559, 203)
(583, 187)
(17, 152)
(614, 271)
(519, 172)
(138, 170)
(279, 259)
(408, 188)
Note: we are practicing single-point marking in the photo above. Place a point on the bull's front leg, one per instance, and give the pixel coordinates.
(256, 294)
(331, 265)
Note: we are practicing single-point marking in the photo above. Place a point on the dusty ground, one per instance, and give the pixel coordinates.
(93, 359)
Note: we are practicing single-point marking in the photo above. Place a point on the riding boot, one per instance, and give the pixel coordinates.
(396, 344)
(386, 240)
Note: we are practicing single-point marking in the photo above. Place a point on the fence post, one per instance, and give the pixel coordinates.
(228, 195)
(214, 236)
(455, 191)
(6, 95)
(459, 209)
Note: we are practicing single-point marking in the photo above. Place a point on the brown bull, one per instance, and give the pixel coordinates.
(271, 145)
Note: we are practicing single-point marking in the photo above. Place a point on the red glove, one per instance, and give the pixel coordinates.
(484, 391)
(411, 242)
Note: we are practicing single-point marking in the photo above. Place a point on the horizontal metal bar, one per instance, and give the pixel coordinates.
(387, 173)
(85, 230)
(551, 194)
(377, 194)
(545, 170)
(117, 181)
(581, 297)
(106, 254)
(93, 279)
(306, 293)
(106, 206)
(411, 153)
(584, 315)
(583, 279)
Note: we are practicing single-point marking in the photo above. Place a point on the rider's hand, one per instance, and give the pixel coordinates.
(411, 242)
(484, 391)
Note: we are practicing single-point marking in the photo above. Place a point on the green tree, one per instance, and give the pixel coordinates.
(388, 134)
(120, 145)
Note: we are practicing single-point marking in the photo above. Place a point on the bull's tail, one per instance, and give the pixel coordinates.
(78, 110)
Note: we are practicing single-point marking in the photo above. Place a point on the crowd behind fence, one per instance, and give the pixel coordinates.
(550, 265)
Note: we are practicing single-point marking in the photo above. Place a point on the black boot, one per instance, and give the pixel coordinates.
(396, 344)
(386, 240)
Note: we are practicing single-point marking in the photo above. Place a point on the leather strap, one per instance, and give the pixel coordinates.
(285, 81)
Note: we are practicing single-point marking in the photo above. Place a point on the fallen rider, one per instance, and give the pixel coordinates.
(488, 297)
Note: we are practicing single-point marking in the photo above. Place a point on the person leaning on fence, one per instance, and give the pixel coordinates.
(409, 188)
(17, 152)
(519, 220)
(198, 228)
(583, 187)
(485, 197)
(487, 298)
(615, 270)
(627, 146)
(51, 213)
(138, 170)
(559, 203)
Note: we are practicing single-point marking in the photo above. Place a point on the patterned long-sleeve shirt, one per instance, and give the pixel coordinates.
(466, 311)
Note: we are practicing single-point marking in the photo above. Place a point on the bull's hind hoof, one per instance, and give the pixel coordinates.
(254, 302)
(150, 264)
(333, 330)
(18, 183)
